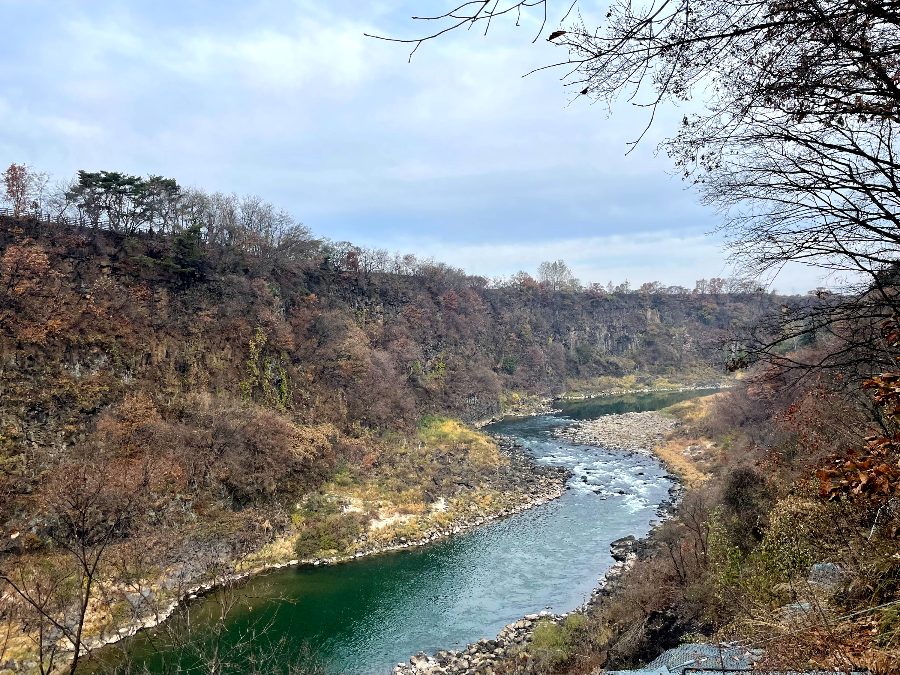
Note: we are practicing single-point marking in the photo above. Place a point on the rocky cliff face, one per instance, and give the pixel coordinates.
(89, 317)
(90, 320)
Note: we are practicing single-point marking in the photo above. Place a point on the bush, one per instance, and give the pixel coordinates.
(319, 505)
(548, 645)
(889, 627)
(342, 474)
(334, 532)
(509, 365)
(795, 538)
(747, 503)
(307, 544)
(553, 644)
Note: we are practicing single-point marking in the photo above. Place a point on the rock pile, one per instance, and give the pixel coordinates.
(634, 432)
(669, 507)
(483, 657)
(620, 549)
(524, 473)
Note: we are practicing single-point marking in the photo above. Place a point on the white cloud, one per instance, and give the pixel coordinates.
(454, 155)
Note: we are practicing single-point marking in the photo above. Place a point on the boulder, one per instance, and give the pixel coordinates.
(621, 548)
(419, 660)
(826, 575)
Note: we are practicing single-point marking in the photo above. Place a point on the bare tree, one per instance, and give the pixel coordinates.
(86, 509)
(557, 276)
(797, 144)
(24, 188)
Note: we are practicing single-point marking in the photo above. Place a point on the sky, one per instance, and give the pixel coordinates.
(455, 155)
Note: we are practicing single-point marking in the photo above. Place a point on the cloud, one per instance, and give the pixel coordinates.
(455, 154)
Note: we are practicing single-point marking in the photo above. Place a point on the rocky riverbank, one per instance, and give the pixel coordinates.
(634, 431)
(529, 407)
(620, 391)
(519, 485)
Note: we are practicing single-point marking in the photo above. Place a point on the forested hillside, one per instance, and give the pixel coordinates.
(189, 376)
(92, 316)
(194, 386)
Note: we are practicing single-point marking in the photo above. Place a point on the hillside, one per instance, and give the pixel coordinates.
(175, 408)
(189, 403)
(95, 326)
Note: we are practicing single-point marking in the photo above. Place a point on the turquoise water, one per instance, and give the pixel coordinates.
(593, 408)
(365, 616)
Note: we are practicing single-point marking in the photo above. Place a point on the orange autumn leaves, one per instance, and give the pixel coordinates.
(873, 471)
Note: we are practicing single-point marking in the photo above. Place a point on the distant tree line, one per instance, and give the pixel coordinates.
(250, 226)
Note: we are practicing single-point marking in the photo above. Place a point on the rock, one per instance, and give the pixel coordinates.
(826, 575)
(621, 548)
(637, 432)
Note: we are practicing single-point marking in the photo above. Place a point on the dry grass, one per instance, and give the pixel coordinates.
(677, 457)
(280, 550)
(442, 433)
(694, 459)
(695, 409)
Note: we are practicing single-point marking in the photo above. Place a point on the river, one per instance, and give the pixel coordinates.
(365, 616)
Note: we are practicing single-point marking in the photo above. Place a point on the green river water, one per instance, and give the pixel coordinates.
(365, 616)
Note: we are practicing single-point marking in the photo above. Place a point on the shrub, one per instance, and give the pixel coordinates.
(307, 543)
(318, 504)
(334, 532)
(889, 627)
(553, 644)
(509, 365)
(342, 474)
(548, 644)
(795, 538)
(747, 502)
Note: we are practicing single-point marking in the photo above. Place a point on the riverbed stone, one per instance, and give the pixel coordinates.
(634, 432)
